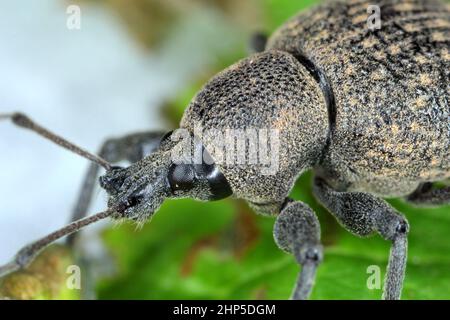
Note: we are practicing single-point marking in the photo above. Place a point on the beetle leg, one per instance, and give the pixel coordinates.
(428, 195)
(362, 213)
(297, 231)
(130, 148)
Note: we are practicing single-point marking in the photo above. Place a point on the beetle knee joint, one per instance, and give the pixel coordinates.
(397, 229)
(402, 228)
(309, 254)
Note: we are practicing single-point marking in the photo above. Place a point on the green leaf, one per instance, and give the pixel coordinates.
(279, 11)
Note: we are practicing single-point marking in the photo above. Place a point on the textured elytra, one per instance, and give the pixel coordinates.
(391, 89)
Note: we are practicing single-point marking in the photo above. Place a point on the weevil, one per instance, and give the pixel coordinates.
(366, 109)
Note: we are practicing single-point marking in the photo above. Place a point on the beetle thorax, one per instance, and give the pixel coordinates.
(264, 120)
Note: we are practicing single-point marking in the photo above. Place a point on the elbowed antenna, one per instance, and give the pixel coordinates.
(25, 255)
(21, 120)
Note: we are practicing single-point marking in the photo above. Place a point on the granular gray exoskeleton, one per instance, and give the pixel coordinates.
(365, 108)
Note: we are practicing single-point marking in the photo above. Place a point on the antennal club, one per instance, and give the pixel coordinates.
(23, 121)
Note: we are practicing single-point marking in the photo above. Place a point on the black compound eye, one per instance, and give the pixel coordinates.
(181, 177)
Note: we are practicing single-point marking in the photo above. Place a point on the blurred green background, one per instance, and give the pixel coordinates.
(222, 250)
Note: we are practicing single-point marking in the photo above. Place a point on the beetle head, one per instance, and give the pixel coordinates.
(137, 191)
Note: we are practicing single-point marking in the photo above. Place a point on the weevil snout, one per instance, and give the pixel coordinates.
(137, 191)
(113, 180)
(139, 199)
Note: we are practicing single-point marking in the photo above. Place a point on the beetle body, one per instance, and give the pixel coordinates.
(366, 110)
(391, 129)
